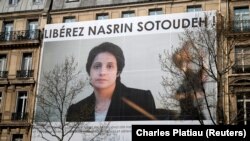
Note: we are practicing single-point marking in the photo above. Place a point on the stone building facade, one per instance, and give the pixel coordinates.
(22, 23)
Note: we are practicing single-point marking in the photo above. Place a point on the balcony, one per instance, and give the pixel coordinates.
(239, 80)
(19, 116)
(22, 37)
(21, 77)
(237, 69)
(3, 74)
(240, 26)
(25, 73)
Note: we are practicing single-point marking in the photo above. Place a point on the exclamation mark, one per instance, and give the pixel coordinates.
(213, 20)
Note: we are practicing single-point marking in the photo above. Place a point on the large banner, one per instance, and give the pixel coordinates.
(135, 70)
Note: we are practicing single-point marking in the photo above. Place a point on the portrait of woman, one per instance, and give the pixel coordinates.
(111, 100)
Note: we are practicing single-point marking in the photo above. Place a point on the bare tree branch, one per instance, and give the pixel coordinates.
(57, 90)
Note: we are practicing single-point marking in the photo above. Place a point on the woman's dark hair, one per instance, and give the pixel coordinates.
(110, 48)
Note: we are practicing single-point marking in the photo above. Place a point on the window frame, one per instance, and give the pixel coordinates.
(8, 33)
(69, 18)
(194, 8)
(241, 17)
(128, 13)
(4, 66)
(69, 1)
(24, 107)
(19, 137)
(37, 1)
(102, 15)
(243, 102)
(1, 101)
(23, 58)
(155, 11)
(13, 2)
(33, 32)
(241, 59)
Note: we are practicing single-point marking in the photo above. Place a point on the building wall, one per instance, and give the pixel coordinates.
(237, 82)
(83, 10)
(22, 5)
(141, 9)
(20, 14)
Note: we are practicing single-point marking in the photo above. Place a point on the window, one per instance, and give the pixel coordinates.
(194, 8)
(27, 61)
(241, 19)
(1, 101)
(104, 2)
(127, 14)
(37, 1)
(69, 19)
(72, 0)
(26, 68)
(8, 28)
(33, 26)
(17, 137)
(102, 16)
(242, 60)
(156, 11)
(21, 105)
(3, 64)
(13, 2)
(243, 108)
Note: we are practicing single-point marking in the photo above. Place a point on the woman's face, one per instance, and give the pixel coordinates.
(103, 71)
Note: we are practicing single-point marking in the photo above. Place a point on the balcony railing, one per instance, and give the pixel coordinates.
(19, 116)
(241, 69)
(3, 74)
(24, 73)
(20, 35)
(241, 26)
